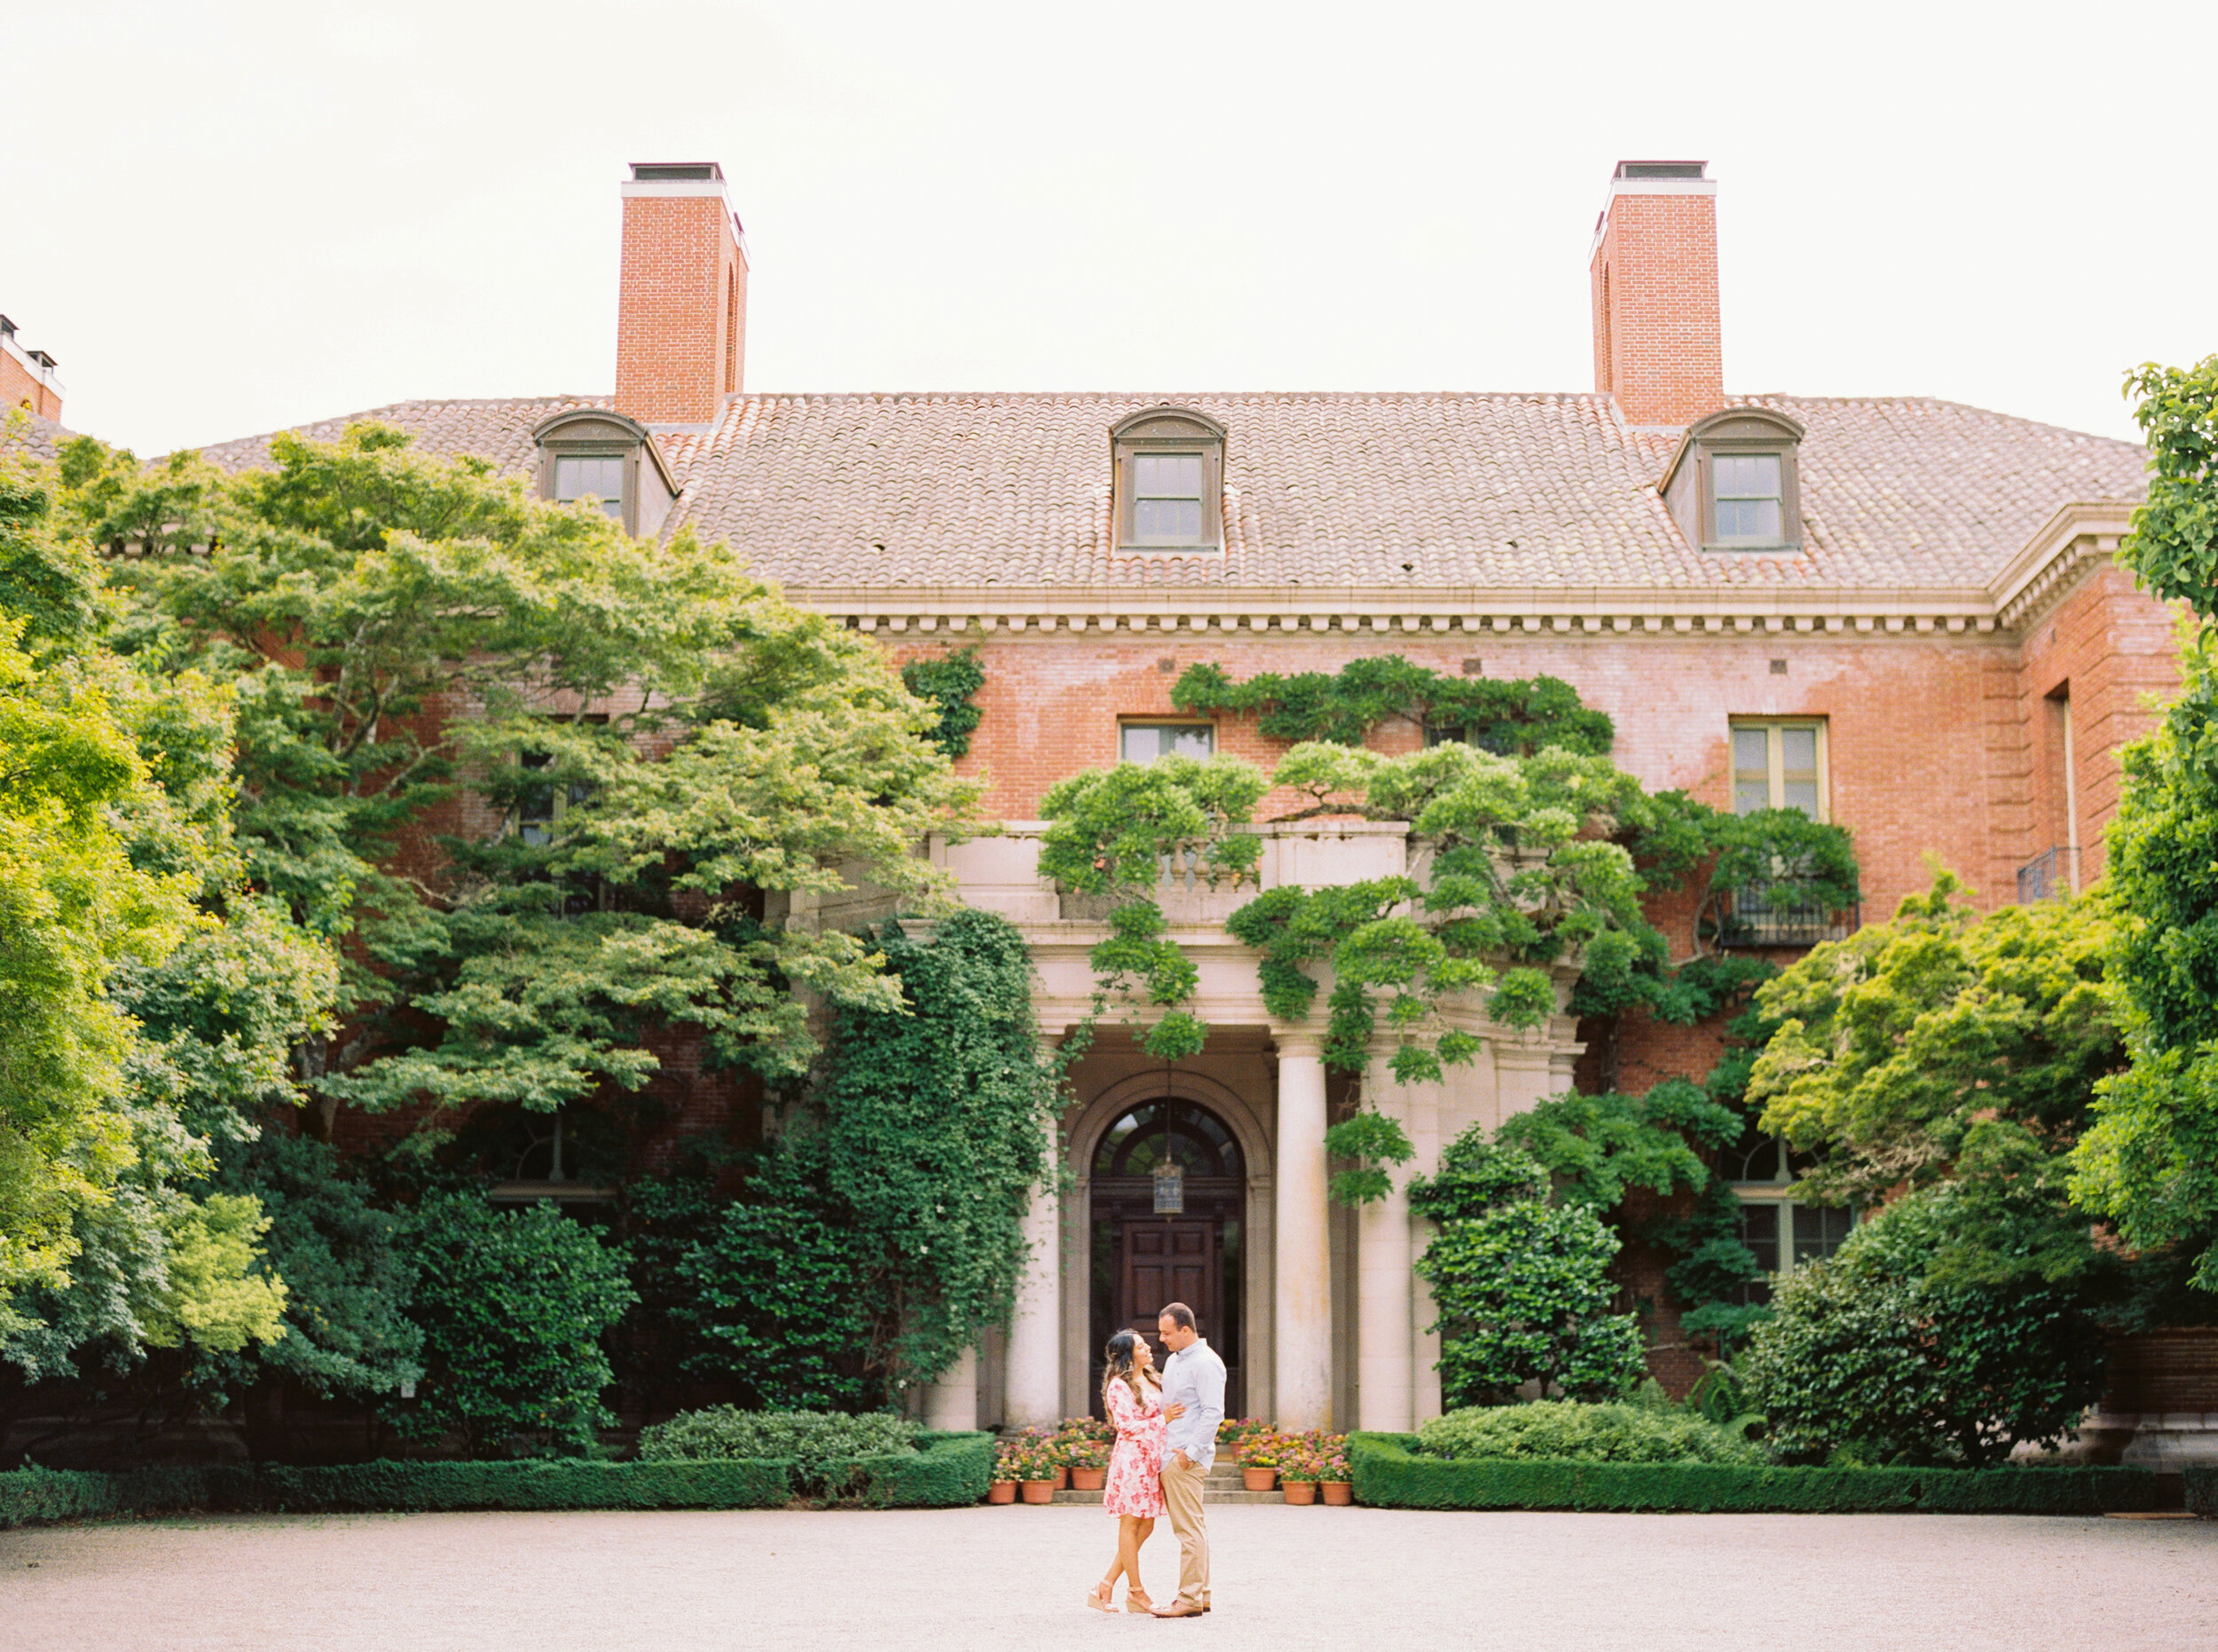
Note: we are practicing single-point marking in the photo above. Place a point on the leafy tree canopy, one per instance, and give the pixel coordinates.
(559, 786)
(2151, 1161)
(149, 998)
(1944, 1045)
(1513, 717)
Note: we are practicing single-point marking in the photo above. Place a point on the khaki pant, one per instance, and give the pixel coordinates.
(1182, 1497)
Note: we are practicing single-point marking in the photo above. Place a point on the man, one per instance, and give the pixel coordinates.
(1193, 1398)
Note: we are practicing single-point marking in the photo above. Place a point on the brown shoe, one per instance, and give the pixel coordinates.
(1180, 1608)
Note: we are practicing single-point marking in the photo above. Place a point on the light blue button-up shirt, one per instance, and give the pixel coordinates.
(1194, 1377)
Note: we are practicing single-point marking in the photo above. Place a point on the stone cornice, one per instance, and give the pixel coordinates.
(2071, 544)
(1563, 612)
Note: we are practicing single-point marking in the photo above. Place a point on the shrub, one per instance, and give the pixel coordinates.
(1870, 1359)
(1522, 1286)
(513, 1305)
(769, 1294)
(1591, 1434)
(813, 1436)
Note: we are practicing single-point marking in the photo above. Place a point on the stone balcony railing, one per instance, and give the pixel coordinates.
(1002, 874)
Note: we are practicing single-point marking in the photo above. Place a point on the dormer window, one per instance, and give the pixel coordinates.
(1168, 491)
(592, 453)
(581, 476)
(1734, 484)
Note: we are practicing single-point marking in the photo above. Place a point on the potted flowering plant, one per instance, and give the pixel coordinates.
(1088, 1463)
(1081, 1451)
(1259, 1462)
(1335, 1483)
(1298, 1474)
(1003, 1487)
(1038, 1473)
(1235, 1435)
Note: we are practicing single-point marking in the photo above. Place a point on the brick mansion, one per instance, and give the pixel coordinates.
(1898, 614)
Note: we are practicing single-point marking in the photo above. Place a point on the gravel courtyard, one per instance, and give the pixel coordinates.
(993, 1577)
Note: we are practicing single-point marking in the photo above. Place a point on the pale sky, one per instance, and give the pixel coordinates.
(224, 218)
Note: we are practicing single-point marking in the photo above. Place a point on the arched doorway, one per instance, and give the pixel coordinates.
(1168, 1188)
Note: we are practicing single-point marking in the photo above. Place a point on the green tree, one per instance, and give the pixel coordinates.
(2150, 1160)
(148, 1000)
(1887, 1354)
(1521, 1285)
(1948, 1046)
(677, 764)
(513, 1305)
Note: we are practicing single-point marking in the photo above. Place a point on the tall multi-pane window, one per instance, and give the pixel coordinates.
(1166, 499)
(591, 477)
(1144, 742)
(1784, 1232)
(1779, 765)
(1750, 497)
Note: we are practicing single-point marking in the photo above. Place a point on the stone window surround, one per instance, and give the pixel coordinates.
(1689, 484)
(650, 491)
(1166, 430)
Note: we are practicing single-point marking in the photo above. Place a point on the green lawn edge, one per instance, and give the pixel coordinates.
(1389, 1474)
(947, 1470)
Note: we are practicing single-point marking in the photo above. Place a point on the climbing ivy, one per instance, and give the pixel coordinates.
(949, 682)
(1112, 833)
(926, 1140)
(1511, 717)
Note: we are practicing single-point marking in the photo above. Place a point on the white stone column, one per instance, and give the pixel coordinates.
(1034, 1391)
(951, 1403)
(1424, 1344)
(1383, 1312)
(1301, 1321)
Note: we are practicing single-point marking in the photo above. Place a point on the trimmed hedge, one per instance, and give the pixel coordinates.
(1389, 1474)
(944, 1471)
(2202, 1489)
(947, 1470)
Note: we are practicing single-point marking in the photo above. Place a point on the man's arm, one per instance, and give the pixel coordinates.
(1209, 1407)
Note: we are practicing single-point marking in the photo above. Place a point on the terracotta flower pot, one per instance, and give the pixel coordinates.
(1039, 1491)
(1300, 1492)
(1339, 1493)
(1259, 1479)
(1062, 1478)
(1001, 1492)
(1089, 1479)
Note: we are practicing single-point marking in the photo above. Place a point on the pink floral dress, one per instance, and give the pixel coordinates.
(1135, 1485)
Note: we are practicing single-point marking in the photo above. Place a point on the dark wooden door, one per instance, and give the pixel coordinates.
(1168, 1260)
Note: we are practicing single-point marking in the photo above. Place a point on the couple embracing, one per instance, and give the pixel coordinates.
(1166, 1438)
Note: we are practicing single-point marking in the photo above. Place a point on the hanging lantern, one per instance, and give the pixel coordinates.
(1170, 1189)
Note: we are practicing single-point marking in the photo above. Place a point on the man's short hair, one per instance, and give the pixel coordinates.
(1179, 1315)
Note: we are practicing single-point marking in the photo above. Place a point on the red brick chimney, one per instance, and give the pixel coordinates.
(1654, 274)
(682, 303)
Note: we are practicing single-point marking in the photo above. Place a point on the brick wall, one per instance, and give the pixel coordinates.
(1929, 733)
(1658, 347)
(2107, 651)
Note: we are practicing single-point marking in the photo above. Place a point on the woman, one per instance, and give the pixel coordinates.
(1132, 1399)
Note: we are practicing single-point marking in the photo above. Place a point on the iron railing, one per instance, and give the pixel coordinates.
(2051, 872)
(1770, 914)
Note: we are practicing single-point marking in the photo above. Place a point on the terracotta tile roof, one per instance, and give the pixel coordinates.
(25, 432)
(499, 429)
(1326, 491)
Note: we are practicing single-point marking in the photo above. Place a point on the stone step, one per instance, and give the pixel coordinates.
(1212, 1497)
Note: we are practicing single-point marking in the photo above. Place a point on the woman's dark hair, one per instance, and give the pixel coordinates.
(1119, 1359)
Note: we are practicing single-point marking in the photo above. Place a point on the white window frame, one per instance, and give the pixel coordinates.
(1779, 1194)
(1775, 756)
(1160, 723)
